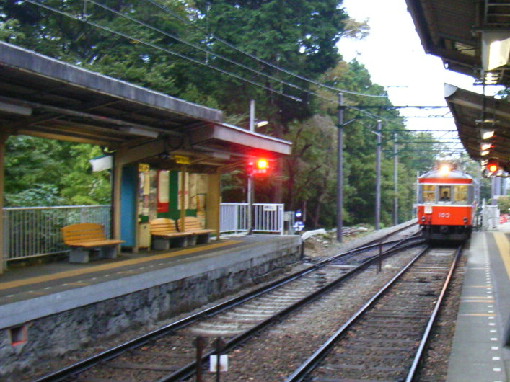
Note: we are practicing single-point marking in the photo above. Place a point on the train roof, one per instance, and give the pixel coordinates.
(437, 174)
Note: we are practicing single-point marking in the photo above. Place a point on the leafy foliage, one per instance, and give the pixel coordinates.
(184, 49)
(39, 172)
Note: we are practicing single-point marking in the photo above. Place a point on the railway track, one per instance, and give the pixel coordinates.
(168, 354)
(385, 339)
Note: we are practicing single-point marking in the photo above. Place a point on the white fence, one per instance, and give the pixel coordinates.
(35, 231)
(266, 217)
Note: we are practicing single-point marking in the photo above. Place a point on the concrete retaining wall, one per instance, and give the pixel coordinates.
(52, 335)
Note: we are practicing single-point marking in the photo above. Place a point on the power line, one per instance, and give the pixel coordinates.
(131, 38)
(223, 71)
(197, 47)
(337, 90)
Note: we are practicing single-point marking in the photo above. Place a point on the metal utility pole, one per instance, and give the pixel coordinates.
(378, 181)
(249, 185)
(395, 175)
(340, 185)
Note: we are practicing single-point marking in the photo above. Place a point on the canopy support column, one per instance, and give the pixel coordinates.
(3, 254)
(213, 202)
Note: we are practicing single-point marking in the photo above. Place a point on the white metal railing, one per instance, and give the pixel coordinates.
(267, 217)
(35, 231)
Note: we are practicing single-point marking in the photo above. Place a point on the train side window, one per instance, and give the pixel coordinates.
(461, 194)
(429, 194)
(472, 195)
(445, 193)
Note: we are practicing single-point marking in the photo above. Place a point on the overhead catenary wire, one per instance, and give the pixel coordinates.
(224, 71)
(195, 46)
(150, 44)
(283, 70)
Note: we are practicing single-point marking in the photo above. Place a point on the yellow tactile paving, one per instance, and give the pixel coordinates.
(113, 265)
(504, 249)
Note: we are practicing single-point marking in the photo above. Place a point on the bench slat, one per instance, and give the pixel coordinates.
(95, 243)
(82, 232)
(193, 225)
(165, 227)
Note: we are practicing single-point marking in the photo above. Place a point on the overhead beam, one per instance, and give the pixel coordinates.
(15, 109)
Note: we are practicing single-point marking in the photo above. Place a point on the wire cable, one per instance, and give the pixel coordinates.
(253, 57)
(131, 38)
(197, 47)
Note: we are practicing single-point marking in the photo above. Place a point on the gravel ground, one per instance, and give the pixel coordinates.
(281, 349)
(315, 247)
(435, 363)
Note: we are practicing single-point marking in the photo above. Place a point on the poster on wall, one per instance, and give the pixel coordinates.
(163, 191)
(197, 191)
(186, 191)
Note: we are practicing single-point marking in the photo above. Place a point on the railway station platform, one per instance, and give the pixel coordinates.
(47, 310)
(58, 286)
(478, 351)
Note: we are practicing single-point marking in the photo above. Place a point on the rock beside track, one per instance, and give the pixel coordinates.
(325, 244)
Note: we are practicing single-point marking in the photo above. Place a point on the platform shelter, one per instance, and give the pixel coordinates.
(166, 154)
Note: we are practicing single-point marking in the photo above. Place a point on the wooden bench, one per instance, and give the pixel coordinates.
(192, 225)
(164, 235)
(86, 237)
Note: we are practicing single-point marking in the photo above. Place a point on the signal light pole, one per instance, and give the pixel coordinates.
(250, 188)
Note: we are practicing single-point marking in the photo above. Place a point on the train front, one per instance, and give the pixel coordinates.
(446, 204)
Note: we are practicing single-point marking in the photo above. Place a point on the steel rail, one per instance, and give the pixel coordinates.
(426, 334)
(313, 361)
(81, 366)
(189, 370)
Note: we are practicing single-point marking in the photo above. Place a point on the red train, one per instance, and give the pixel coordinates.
(447, 202)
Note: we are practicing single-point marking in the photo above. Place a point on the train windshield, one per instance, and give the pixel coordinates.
(445, 193)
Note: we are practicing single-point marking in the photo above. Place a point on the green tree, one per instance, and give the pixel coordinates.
(43, 172)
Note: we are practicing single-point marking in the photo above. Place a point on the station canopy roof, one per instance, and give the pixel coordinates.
(467, 108)
(44, 97)
(472, 38)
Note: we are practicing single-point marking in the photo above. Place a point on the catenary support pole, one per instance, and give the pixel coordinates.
(395, 176)
(378, 181)
(340, 183)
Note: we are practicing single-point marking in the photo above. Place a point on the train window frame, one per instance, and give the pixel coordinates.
(425, 191)
(442, 189)
(461, 189)
(472, 194)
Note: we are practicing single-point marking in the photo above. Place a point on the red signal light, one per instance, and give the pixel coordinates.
(258, 167)
(493, 166)
(262, 164)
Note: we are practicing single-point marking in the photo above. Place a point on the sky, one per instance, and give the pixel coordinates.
(395, 58)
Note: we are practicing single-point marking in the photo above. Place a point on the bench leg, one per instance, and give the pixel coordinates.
(160, 243)
(109, 252)
(203, 238)
(79, 255)
(190, 241)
